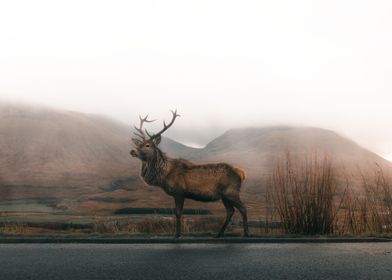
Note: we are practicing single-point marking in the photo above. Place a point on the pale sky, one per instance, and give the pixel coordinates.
(223, 64)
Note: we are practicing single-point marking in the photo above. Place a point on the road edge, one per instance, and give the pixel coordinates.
(186, 240)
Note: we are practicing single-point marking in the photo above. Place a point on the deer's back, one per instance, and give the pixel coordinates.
(205, 182)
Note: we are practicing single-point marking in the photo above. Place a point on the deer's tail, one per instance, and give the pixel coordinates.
(240, 172)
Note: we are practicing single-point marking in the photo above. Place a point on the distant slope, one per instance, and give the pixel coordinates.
(175, 149)
(256, 149)
(81, 163)
(46, 147)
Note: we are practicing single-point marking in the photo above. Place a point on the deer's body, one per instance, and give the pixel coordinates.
(182, 179)
(207, 182)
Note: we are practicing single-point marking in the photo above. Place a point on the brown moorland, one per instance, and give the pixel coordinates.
(79, 164)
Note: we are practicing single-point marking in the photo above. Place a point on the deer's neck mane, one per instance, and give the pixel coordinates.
(153, 170)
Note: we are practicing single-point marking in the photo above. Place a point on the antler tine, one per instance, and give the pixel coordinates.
(140, 132)
(136, 140)
(174, 112)
(138, 135)
(148, 134)
(166, 126)
(145, 119)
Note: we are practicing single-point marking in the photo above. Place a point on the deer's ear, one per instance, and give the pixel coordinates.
(157, 140)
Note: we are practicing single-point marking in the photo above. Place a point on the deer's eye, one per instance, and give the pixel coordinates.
(147, 145)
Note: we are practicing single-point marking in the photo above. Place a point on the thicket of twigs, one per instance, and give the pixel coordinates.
(308, 197)
(303, 195)
(369, 210)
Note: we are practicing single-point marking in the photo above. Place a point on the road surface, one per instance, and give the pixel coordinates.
(196, 261)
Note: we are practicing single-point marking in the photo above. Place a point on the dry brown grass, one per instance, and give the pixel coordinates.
(13, 228)
(307, 198)
(369, 211)
(303, 195)
(157, 225)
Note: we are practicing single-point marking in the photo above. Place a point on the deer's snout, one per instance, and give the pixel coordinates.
(133, 153)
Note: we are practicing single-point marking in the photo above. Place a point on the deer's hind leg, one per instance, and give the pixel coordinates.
(241, 207)
(229, 213)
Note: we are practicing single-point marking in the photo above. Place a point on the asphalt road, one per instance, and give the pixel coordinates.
(196, 261)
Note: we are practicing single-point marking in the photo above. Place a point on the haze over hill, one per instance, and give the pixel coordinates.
(257, 148)
(45, 147)
(82, 161)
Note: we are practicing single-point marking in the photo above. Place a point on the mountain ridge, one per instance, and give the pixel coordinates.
(82, 160)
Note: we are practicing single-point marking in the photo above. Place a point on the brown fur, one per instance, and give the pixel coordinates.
(183, 179)
(240, 172)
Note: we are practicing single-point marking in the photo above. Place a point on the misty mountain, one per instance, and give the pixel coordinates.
(85, 158)
(46, 147)
(256, 149)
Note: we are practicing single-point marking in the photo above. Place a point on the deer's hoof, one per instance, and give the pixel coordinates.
(245, 235)
(177, 236)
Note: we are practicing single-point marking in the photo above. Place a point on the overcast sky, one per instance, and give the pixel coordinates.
(221, 63)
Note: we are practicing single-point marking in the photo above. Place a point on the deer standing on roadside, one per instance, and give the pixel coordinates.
(182, 179)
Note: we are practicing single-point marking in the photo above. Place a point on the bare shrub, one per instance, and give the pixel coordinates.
(369, 211)
(303, 195)
(271, 216)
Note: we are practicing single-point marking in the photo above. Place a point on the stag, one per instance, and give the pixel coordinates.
(182, 179)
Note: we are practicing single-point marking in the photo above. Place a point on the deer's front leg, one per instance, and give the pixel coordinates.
(179, 201)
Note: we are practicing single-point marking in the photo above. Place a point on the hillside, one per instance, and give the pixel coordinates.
(79, 164)
(45, 147)
(256, 149)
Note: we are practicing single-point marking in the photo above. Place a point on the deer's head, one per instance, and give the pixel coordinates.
(146, 145)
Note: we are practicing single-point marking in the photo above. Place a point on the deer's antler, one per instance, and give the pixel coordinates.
(139, 130)
(165, 126)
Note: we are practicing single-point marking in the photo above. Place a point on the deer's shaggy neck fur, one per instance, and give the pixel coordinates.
(153, 169)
